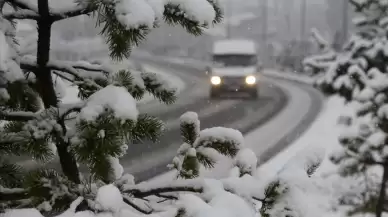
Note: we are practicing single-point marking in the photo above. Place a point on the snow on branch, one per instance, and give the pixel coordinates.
(9, 69)
(89, 67)
(203, 148)
(12, 194)
(322, 43)
(198, 185)
(29, 63)
(81, 9)
(146, 190)
(30, 11)
(117, 99)
(225, 140)
(23, 4)
(22, 14)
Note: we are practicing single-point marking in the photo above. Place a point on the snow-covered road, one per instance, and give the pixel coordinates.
(284, 110)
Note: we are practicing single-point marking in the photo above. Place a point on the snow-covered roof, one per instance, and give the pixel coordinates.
(234, 46)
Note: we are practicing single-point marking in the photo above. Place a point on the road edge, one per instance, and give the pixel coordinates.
(316, 107)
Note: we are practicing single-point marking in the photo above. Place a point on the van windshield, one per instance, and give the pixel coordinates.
(234, 60)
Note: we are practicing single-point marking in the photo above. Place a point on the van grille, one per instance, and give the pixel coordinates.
(233, 80)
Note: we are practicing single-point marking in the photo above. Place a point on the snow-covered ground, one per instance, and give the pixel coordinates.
(323, 135)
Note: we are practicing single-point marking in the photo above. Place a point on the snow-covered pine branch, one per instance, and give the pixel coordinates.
(318, 38)
(92, 77)
(200, 148)
(318, 63)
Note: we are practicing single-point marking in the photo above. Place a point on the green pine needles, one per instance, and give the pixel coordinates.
(200, 148)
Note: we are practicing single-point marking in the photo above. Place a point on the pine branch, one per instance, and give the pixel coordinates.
(173, 16)
(259, 199)
(17, 116)
(23, 14)
(81, 9)
(154, 86)
(128, 201)
(206, 161)
(147, 127)
(89, 67)
(366, 161)
(29, 63)
(54, 16)
(168, 197)
(12, 194)
(141, 193)
(61, 75)
(6, 143)
(194, 186)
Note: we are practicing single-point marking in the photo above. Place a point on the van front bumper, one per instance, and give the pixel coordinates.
(234, 88)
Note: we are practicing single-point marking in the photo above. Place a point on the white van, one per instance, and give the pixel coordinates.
(234, 68)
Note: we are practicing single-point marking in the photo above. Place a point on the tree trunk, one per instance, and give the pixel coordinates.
(46, 86)
(381, 200)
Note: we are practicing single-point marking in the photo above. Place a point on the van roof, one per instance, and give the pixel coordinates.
(234, 46)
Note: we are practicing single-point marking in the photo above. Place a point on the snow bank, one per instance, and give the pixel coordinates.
(323, 133)
(321, 138)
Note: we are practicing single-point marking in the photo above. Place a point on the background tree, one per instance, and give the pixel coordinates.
(359, 74)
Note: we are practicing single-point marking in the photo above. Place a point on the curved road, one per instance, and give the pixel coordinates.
(282, 112)
(148, 160)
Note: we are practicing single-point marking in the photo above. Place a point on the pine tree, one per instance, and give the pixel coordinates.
(91, 133)
(359, 74)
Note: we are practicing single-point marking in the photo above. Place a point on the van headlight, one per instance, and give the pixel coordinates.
(250, 79)
(216, 80)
